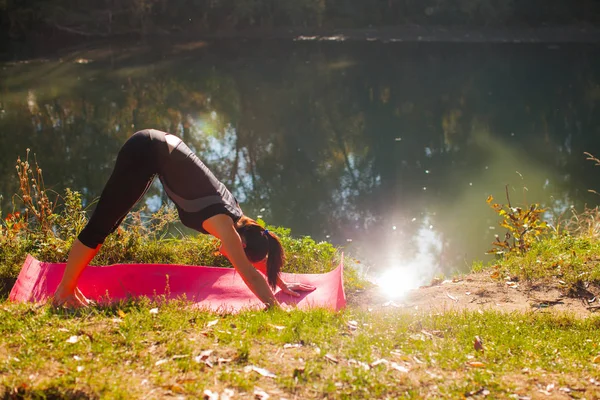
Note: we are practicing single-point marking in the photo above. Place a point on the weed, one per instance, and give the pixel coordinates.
(524, 225)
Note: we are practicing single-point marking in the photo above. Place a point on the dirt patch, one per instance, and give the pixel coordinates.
(479, 291)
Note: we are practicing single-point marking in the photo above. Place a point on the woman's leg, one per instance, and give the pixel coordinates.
(132, 176)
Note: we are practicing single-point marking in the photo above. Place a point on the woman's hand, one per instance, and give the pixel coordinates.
(72, 299)
(294, 287)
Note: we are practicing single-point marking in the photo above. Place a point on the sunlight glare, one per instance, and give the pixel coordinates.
(396, 282)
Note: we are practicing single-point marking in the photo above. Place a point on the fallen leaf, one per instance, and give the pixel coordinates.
(261, 371)
(185, 381)
(362, 364)
(175, 388)
(121, 314)
(260, 394)
(399, 367)
(476, 364)
(477, 344)
(380, 361)
(451, 297)
(212, 323)
(210, 395)
(596, 360)
(495, 275)
(203, 356)
(227, 394)
(331, 358)
(73, 339)
(428, 334)
(298, 371)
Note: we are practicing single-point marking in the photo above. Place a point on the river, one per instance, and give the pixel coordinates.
(388, 150)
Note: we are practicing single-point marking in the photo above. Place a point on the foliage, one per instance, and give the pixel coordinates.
(46, 230)
(127, 351)
(524, 226)
(102, 18)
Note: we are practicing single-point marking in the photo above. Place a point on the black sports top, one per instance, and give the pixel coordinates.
(196, 192)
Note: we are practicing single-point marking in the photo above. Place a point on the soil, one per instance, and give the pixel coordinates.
(478, 291)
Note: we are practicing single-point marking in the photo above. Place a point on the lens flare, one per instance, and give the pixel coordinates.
(395, 283)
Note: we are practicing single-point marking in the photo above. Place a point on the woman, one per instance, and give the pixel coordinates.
(203, 204)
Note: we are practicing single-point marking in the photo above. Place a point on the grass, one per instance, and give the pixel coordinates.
(148, 349)
(571, 260)
(129, 351)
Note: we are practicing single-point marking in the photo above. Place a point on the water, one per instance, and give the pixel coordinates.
(389, 150)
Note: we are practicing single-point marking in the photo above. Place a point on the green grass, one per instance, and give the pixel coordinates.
(155, 349)
(565, 261)
(126, 351)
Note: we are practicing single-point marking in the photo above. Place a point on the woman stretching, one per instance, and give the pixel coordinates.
(203, 203)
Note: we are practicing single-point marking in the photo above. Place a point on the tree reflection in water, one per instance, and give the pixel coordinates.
(369, 145)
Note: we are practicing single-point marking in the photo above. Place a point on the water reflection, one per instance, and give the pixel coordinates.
(340, 141)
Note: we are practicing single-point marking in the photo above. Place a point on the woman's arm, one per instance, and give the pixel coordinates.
(221, 226)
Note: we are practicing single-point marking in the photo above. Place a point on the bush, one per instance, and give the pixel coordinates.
(46, 228)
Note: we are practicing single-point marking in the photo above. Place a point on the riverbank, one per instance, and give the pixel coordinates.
(63, 44)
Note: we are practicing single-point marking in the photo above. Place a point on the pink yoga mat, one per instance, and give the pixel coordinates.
(216, 289)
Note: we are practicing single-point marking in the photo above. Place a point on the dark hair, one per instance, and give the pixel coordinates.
(261, 243)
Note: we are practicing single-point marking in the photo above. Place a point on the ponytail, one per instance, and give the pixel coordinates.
(275, 259)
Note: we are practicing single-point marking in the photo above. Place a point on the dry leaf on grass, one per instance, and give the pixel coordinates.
(476, 364)
(451, 297)
(298, 371)
(260, 394)
(362, 364)
(261, 371)
(175, 388)
(203, 355)
(380, 361)
(331, 358)
(478, 344)
(121, 313)
(212, 323)
(185, 381)
(399, 367)
(73, 339)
